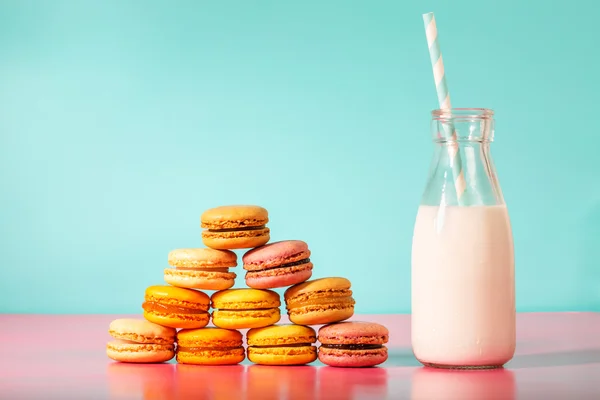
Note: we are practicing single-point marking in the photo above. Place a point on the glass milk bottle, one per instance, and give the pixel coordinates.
(463, 283)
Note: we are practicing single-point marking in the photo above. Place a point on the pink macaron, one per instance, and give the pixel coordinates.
(277, 264)
(353, 344)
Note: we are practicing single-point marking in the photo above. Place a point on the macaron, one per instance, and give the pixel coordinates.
(140, 341)
(245, 308)
(209, 346)
(353, 344)
(235, 227)
(282, 345)
(201, 269)
(176, 307)
(278, 264)
(320, 301)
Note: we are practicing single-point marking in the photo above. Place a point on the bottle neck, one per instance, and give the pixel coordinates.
(457, 130)
(462, 171)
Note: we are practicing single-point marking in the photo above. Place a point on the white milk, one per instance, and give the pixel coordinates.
(463, 290)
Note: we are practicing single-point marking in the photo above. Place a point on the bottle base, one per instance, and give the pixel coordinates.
(469, 367)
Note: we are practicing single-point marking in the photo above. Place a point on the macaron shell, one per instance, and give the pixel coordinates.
(282, 355)
(126, 351)
(235, 216)
(212, 356)
(279, 277)
(199, 279)
(317, 315)
(209, 338)
(141, 331)
(317, 285)
(170, 295)
(278, 335)
(202, 258)
(244, 319)
(354, 332)
(236, 239)
(245, 299)
(352, 358)
(185, 321)
(275, 254)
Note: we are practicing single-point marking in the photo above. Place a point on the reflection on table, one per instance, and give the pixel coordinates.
(179, 381)
(433, 383)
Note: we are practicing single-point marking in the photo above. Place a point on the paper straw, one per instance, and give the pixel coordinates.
(437, 63)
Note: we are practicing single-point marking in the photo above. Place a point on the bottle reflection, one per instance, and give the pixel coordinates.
(433, 383)
(153, 381)
(274, 383)
(352, 383)
(204, 382)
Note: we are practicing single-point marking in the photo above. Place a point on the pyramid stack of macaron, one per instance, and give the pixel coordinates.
(255, 310)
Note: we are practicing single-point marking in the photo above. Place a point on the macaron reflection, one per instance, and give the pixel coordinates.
(154, 381)
(267, 382)
(204, 382)
(352, 383)
(433, 383)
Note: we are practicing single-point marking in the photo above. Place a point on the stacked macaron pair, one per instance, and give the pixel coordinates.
(227, 228)
(329, 302)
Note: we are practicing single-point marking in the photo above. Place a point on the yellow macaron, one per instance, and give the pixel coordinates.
(245, 308)
(209, 346)
(176, 307)
(320, 301)
(282, 345)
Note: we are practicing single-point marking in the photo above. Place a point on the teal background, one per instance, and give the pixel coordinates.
(121, 121)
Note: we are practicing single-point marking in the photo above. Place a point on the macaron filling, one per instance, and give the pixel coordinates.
(193, 349)
(302, 268)
(288, 265)
(223, 269)
(129, 346)
(242, 228)
(282, 345)
(352, 346)
(170, 309)
(250, 313)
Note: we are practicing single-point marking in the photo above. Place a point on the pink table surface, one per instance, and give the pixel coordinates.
(63, 357)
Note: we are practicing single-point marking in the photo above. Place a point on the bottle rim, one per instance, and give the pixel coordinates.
(463, 113)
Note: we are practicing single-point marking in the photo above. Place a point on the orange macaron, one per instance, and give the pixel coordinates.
(210, 346)
(176, 307)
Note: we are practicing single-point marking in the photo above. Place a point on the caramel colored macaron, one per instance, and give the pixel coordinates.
(210, 346)
(235, 227)
(206, 269)
(320, 301)
(245, 308)
(176, 307)
(282, 345)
